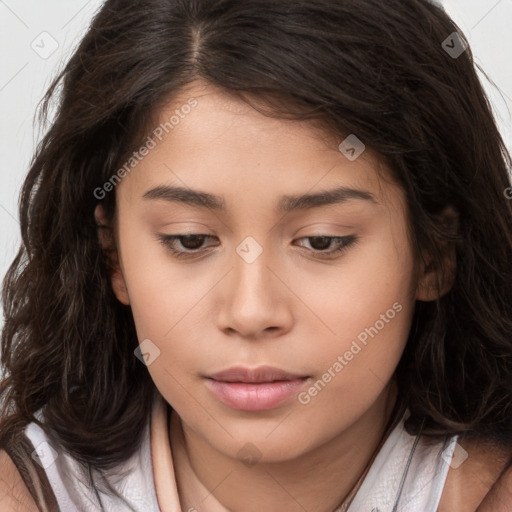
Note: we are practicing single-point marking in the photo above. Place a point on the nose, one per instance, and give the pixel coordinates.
(254, 302)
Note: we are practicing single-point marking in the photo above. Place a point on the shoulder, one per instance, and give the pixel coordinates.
(14, 495)
(479, 478)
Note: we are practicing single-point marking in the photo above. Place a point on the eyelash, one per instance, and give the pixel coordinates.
(168, 241)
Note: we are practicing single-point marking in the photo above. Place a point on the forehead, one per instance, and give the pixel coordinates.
(207, 138)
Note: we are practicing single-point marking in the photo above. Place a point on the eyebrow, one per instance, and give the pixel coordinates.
(286, 203)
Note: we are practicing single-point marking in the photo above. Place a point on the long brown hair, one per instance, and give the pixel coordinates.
(376, 69)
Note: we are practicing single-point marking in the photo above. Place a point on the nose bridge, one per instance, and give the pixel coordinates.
(254, 300)
(251, 275)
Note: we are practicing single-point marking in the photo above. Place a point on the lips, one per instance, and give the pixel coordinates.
(256, 375)
(257, 389)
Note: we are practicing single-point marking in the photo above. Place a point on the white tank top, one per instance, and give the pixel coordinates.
(407, 475)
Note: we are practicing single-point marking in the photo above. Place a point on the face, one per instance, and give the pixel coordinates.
(297, 259)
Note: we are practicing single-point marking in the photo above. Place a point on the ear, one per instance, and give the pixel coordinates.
(108, 245)
(436, 278)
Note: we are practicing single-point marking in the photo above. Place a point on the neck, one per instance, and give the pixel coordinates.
(321, 479)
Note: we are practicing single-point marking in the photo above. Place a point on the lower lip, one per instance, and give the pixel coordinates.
(255, 396)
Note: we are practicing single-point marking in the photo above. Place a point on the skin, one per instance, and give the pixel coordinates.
(482, 483)
(214, 311)
(290, 308)
(14, 494)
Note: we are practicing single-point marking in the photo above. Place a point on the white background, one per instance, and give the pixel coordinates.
(25, 75)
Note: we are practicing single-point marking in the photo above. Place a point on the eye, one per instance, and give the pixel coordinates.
(329, 246)
(184, 245)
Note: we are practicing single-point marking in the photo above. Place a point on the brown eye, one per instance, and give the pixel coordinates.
(328, 246)
(182, 246)
(320, 243)
(192, 241)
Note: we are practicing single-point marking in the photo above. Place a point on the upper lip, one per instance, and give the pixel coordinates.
(259, 374)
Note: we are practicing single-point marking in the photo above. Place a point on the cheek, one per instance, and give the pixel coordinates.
(365, 307)
(161, 292)
(354, 366)
(351, 296)
(169, 310)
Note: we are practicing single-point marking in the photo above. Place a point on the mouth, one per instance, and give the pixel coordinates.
(257, 389)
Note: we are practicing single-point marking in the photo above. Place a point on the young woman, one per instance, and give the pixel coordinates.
(265, 266)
